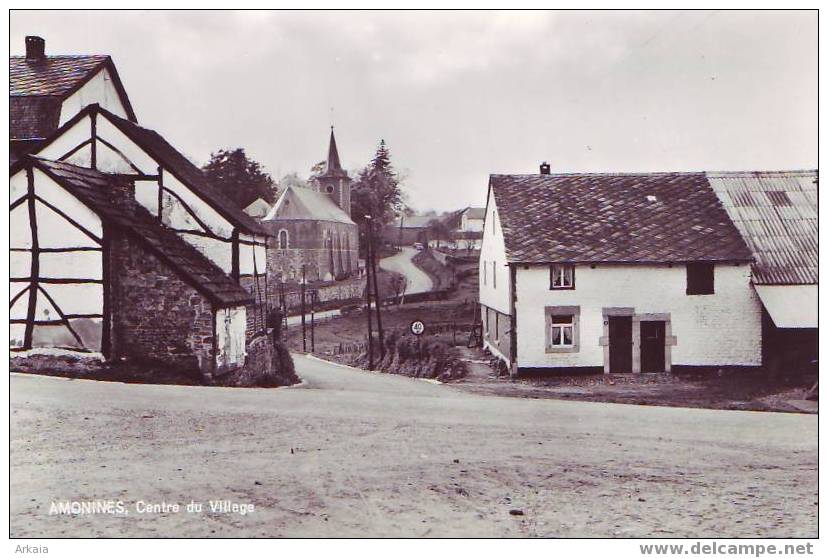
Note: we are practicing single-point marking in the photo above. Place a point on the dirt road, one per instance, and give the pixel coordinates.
(353, 453)
(418, 280)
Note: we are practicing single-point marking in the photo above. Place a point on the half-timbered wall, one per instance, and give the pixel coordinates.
(56, 267)
(158, 189)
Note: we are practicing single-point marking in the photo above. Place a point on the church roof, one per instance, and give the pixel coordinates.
(303, 204)
(333, 166)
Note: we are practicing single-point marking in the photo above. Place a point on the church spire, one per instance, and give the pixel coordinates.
(333, 166)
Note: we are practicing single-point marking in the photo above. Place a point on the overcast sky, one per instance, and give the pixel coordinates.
(460, 95)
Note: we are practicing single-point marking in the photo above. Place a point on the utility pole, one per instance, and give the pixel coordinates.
(368, 303)
(377, 297)
(313, 321)
(399, 238)
(302, 304)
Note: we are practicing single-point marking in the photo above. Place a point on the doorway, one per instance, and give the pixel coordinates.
(620, 344)
(652, 346)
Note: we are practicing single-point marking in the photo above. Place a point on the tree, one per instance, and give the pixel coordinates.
(438, 230)
(376, 190)
(240, 178)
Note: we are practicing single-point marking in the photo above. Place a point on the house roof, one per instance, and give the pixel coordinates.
(183, 169)
(304, 204)
(620, 218)
(33, 117)
(38, 87)
(475, 212)
(94, 188)
(776, 214)
(414, 222)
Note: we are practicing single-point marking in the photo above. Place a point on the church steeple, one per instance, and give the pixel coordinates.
(333, 167)
(334, 181)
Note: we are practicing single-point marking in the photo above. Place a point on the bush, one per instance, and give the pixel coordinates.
(282, 371)
(419, 358)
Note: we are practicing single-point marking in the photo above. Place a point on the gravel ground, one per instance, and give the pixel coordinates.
(351, 453)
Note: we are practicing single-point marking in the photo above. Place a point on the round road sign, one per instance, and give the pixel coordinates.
(417, 327)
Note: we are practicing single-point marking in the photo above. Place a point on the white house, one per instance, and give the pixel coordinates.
(120, 244)
(615, 273)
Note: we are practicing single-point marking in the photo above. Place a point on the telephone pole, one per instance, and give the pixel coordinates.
(368, 302)
(377, 296)
(302, 304)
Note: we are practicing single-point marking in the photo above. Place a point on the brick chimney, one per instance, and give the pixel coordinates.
(35, 49)
(545, 168)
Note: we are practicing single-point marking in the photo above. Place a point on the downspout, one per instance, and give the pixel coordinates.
(513, 369)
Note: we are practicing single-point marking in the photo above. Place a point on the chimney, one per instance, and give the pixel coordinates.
(35, 49)
(545, 168)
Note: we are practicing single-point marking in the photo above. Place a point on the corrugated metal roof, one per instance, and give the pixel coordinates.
(776, 214)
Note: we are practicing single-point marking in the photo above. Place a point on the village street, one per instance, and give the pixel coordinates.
(417, 280)
(352, 453)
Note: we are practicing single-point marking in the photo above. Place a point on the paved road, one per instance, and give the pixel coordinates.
(352, 453)
(418, 280)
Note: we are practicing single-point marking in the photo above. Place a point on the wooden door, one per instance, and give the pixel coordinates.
(620, 344)
(652, 346)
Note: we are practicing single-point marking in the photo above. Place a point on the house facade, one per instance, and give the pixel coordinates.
(114, 227)
(615, 273)
(311, 228)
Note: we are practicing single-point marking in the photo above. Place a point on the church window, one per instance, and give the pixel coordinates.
(284, 241)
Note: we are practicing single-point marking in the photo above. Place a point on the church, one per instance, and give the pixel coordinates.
(312, 227)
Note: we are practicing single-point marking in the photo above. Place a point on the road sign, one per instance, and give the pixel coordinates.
(417, 327)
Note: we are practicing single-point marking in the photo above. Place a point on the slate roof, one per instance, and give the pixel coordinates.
(621, 218)
(303, 204)
(37, 89)
(33, 117)
(183, 169)
(776, 213)
(93, 189)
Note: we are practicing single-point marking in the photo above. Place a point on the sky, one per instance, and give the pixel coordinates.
(461, 95)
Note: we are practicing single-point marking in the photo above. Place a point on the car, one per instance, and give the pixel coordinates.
(419, 246)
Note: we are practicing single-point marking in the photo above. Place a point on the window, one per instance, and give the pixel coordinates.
(700, 278)
(562, 276)
(497, 326)
(485, 269)
(494, 275)
(494, 223)
(562, 325)
(283, 239)
(562, 334)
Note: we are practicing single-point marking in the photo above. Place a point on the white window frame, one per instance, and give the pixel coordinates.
(559, 272)
(562, 326)
(573, 313)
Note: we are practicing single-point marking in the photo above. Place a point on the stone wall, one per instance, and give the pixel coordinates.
(348, 289)
(307, 246)
(155, 315)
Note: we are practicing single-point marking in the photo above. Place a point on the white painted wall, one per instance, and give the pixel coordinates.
(467, 224)
(493, 249)
(250, 255)
(231, 325)
(100, 89)
(711, 330)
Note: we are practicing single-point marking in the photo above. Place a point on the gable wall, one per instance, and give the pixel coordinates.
(101, 90)
(493, 254)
